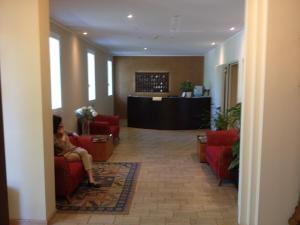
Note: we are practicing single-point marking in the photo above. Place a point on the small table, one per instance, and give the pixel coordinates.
(101, 147)
(201, 147)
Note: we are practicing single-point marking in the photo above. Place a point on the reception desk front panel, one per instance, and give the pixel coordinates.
(171, 113)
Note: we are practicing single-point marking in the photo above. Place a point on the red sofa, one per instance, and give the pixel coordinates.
(68, 175)
(219, 152)
(103, 124)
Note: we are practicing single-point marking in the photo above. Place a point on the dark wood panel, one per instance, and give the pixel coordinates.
(172, 113)
(3, 186)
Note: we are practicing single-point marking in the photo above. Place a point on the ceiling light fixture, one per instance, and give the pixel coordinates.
(213, 43)
(232, 28)
(130, 16)
(85, 33)
(145, 49)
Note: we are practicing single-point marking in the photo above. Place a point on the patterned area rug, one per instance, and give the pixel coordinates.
(117, 180)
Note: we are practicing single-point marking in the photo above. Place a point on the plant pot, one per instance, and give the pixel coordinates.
(188, 94)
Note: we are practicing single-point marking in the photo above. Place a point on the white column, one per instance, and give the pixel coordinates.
(24, 29)
(270, 177)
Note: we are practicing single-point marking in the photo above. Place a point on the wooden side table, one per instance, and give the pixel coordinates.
(100, 147)
(201, 147)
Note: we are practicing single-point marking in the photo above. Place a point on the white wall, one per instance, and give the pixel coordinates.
(228, 52)
(75, 79)
(270, 171)
(25, 77)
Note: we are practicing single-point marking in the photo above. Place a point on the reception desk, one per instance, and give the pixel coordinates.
(169, 113)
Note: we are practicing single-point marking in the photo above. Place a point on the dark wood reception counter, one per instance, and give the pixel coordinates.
(168, 113)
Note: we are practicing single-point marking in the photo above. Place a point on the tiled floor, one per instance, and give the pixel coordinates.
(173, 187)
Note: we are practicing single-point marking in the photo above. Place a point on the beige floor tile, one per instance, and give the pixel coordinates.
(173, 188)
(153, 220)
(101, 219)
(127, 220)
(70, 218)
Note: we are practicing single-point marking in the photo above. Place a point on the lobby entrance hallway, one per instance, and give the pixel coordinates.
(173, 187)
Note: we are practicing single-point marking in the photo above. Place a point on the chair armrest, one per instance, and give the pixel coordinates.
(62, 169)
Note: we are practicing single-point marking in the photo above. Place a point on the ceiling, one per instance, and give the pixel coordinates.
(164, 27)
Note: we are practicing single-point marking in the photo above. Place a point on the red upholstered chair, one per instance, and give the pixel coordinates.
(105, 124)
(219, 151)
(68, 175)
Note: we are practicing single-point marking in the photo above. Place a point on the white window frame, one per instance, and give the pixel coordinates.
(56, 89)
(91, 73)
(109, 78)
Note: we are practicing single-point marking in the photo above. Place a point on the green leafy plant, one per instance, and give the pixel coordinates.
(221, 121)
(236, 154)
(235, 122)
(234, 116)
(187, 86)
(230, 119)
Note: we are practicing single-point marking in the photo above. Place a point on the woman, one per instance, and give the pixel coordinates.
(63, 147)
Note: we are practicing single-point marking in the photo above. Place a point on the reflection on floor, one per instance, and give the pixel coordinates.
(173, 187)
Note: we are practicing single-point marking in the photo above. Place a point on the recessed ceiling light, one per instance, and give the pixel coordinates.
(232, 28)
(130, 16)
(213, 43)
(85, 33)
(145, 49)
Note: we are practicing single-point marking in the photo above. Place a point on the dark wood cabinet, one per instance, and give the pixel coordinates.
(3, 186)
(171, 113)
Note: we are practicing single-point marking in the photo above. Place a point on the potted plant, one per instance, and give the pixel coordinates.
(234, 116)
(187, 88)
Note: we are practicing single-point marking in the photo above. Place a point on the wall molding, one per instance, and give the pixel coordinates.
(28, 222)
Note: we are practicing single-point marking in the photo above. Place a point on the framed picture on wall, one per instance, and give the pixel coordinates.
(152, 82)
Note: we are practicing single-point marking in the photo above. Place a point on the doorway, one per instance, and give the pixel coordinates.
(231, 86)
(226, 85)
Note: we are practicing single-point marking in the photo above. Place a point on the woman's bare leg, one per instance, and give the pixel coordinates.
(90, 176)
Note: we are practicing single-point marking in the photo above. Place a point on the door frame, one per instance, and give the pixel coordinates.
(4, 214)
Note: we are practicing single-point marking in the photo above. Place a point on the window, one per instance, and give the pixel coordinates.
(55, 72)
(109, 78)
(91, 75)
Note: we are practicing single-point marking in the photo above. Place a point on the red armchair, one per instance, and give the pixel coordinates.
(219, 152)
(104, 124)
(68, 175)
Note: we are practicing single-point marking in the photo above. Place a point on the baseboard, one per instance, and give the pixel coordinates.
(32, 222)
(28, 222)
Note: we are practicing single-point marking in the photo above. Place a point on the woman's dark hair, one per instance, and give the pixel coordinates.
(56, 121)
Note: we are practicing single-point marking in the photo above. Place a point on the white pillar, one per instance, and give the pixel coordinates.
(24, 29)
(270, 169)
